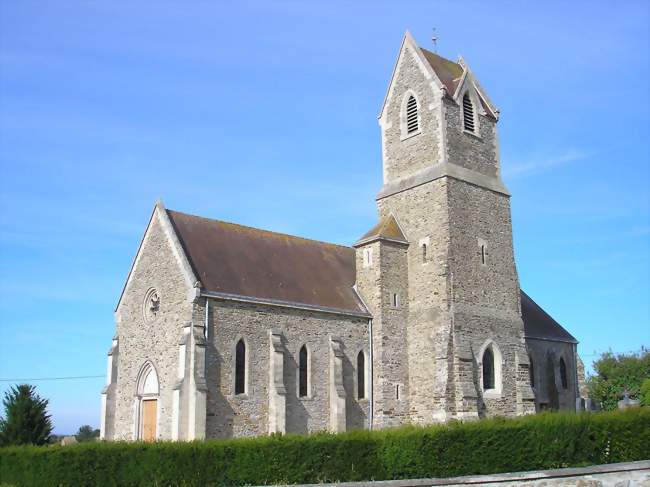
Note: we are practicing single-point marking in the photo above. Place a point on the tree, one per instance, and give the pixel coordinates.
(616, 374)
(25, 420)
(86, 433)
(645, 392)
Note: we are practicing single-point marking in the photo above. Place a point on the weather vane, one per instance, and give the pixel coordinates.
(434, 39)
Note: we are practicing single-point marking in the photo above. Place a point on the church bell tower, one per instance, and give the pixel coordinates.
(452, 265)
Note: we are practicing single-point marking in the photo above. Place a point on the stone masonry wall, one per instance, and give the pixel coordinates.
(422, 213)
(403, 158)
(545, 356)
(486, 295)
(388, 275)
(394, 387)
(231, 415)
(156, 340)
(477, 213)
(475, 326)
(479, 153)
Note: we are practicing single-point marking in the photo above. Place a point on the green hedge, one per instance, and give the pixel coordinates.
(550, 440)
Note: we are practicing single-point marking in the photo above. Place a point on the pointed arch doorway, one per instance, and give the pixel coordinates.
(147, 403)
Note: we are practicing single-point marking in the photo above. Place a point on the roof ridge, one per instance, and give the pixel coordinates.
(248, 227)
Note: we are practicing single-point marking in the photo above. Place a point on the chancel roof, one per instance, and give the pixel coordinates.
(248, 262)
(539, 324)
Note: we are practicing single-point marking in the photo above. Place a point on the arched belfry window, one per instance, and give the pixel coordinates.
(409, 115)
(488, 369)
(240, 367)
(303, 372)
(412, 124)
(361, 375)
(563, 376)
(468, 113)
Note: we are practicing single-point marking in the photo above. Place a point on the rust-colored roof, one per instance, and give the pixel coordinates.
(539, 324)
(249, 262)
(387, 228)
(450, 74)
(448, 71)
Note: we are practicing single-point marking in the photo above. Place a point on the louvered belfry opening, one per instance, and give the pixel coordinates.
(411, 115)
(468, 113)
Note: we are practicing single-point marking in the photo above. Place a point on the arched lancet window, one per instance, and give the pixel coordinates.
(240, 367)
(361, 375)
(563, 376)
(488, 369)
(412, 124)
(303, 379)
(468, 113)
(491, 363)
(531, 371)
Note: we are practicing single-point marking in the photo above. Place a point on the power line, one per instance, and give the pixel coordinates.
(81, 377)
(54, 378)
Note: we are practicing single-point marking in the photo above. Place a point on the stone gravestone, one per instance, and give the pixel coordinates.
(626, 402)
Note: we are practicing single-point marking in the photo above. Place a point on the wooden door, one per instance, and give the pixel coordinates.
(149, 413)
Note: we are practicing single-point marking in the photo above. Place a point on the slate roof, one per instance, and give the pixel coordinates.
(235, 260)
(387, 228)
(539, 324)
(448, 71)
(243, 261)
(450, 74)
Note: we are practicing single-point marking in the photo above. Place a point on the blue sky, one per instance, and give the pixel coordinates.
(265, 114)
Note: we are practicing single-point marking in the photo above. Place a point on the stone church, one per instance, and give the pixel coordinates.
(226, 331)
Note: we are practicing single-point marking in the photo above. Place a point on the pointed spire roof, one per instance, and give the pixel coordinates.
(386, 229)
(447, 75)
(448, 72)
(452, 74)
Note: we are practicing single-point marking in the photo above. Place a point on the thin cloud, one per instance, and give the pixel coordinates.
(537, 165)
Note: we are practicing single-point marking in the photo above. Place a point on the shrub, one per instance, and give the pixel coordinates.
(616, 374)
(549, 440)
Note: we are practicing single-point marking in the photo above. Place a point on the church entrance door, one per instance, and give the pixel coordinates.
(149, 413)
